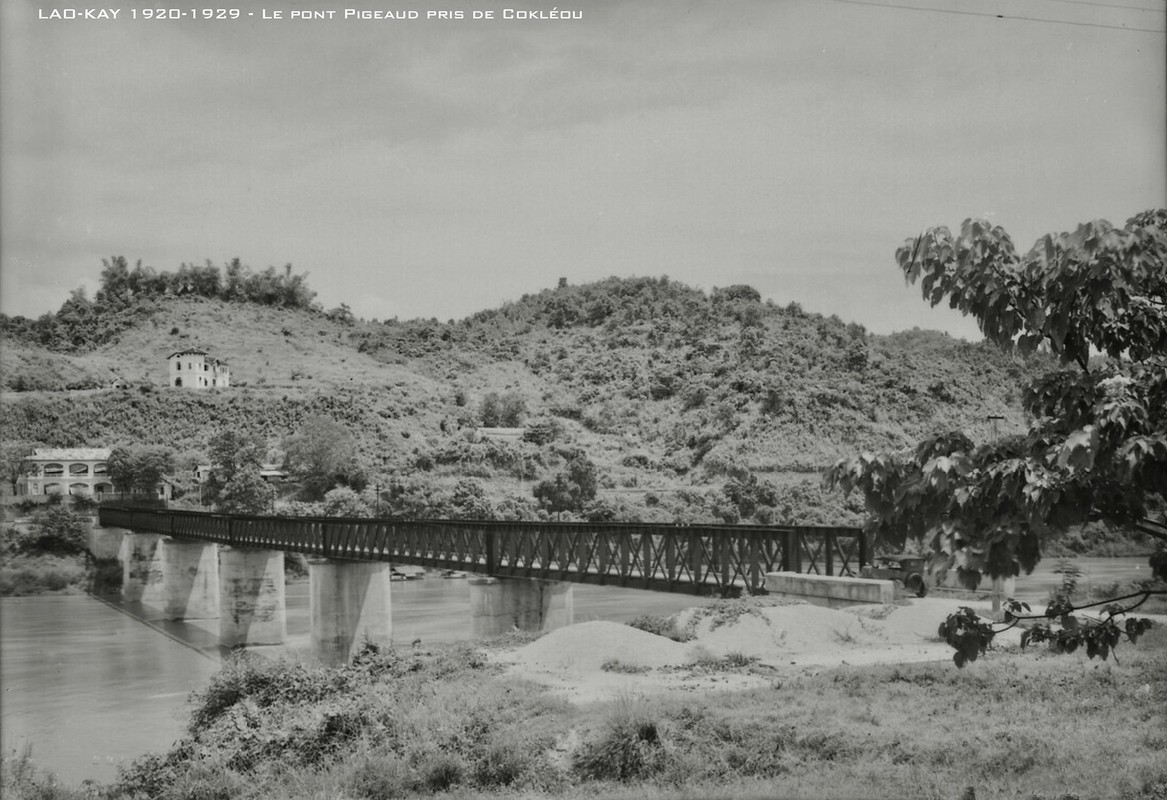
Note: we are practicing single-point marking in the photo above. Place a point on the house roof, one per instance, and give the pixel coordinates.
(216, 361)
(69, 454)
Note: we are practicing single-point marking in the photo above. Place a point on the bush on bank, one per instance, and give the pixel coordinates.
(50, 554)
(420, 723)
(31, 575)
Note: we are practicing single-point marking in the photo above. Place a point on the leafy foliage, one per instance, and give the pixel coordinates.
(246, 492)
(138, 469)
(1097, 446)
(570, 490)
(321, 455)
(1060, 627)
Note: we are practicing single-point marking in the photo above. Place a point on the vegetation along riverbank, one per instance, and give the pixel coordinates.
(47, 552)
(460, 721)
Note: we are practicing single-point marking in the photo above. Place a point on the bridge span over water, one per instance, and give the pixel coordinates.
(203, 565)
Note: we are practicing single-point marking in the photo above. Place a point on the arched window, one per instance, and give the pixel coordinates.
(79, 488)
(178, 365)
(78, 469)
(54, 470)
(100, 468)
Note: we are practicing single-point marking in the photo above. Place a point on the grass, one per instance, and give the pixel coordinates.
(1032, 725)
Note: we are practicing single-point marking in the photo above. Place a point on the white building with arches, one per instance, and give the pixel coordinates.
(78, 470)
(195, 369)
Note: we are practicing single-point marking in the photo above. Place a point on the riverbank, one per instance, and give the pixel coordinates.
(36, 575)
(759, 701)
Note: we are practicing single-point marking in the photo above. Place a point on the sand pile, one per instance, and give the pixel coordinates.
(570, 660)
(587, 646)
(801, 633)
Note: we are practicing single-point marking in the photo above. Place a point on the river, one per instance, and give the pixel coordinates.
(89, 684)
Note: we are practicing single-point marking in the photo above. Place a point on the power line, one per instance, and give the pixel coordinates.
(1003, 16)
(1107, 5)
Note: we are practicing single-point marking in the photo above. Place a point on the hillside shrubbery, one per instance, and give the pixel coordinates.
(659, 384)
(128, 297)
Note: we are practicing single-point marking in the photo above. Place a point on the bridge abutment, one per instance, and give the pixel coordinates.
(348, 603)
(142, 580)
(252, 600)
(498, 605)
(190, 579)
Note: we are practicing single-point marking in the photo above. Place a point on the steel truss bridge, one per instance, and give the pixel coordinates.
(694, 559)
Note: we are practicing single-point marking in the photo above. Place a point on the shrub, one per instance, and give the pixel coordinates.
(381, 777)
(22, 780)
(503, 763)
(662, 626)
(441, 771)
(630, 748)
(616, 665)
(29, 575)
(56, 530)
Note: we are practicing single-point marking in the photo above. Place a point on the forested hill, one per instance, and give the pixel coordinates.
(662, 386)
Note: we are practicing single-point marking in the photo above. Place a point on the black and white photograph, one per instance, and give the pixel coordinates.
(522, 400)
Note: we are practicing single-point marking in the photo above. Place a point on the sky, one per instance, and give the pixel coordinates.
(423, 168)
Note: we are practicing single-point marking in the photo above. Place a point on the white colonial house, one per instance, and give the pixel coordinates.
(194, 369)
(80, 470)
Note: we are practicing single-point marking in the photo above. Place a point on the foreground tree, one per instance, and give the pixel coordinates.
(1097, 447)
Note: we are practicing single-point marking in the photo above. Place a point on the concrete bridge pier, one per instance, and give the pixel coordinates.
(348, 603)
(252, 602)
(105, 544)
(190, 579)
(142, 580)
(498, 605)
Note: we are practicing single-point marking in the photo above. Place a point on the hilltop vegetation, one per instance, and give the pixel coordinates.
(690, 405)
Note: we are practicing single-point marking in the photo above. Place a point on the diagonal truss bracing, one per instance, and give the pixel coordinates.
(702, 559)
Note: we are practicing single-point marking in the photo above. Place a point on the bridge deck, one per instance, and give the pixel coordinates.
(697, 559)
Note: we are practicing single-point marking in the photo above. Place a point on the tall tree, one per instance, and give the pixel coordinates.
(321, 455)
(571, 489)
(1097, 446)
(232, 453)
(246, 492)
(139, 469)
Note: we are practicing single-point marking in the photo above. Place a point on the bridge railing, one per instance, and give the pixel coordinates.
(702, 559)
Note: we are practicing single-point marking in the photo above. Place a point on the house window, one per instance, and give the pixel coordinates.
(100, 468)
(179, 364)
(54, 470)
(78, 469)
